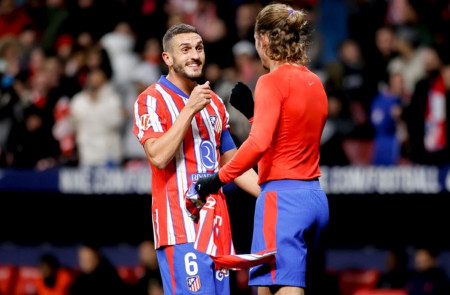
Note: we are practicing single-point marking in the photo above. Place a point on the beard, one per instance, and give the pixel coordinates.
(180, 69)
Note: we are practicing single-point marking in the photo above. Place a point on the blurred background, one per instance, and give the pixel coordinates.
(75, 186)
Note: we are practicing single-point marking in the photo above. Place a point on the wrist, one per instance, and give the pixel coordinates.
(222, 176)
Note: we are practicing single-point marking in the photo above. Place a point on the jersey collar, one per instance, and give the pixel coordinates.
(163, 80)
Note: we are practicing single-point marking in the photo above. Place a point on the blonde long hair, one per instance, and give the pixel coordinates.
(286, 32)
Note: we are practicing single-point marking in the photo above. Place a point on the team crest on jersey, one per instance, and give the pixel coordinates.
(193, 283)
(216, 123)
(145, 122)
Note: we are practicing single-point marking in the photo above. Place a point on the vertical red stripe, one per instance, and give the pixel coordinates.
(169, 254)
(270, 225)
(207, 230)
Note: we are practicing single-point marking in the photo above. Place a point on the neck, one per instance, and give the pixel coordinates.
(184, 84)
(274, 64)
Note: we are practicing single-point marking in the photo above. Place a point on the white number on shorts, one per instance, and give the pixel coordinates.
(191, 265)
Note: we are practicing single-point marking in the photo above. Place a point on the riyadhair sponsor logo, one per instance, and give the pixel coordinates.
(208, 154)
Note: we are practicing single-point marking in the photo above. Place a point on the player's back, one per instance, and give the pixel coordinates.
(294, 153)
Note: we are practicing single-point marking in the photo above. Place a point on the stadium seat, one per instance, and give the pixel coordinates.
(26, 280)
(8, 275)
(380, 292)
(350, 280)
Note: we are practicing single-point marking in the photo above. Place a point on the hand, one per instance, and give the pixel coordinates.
(242, 99)
(208, 185)
(200, 97)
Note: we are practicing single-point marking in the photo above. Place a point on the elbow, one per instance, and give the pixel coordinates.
(158, 163)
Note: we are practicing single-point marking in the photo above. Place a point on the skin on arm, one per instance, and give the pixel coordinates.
(161, 150)
(248, 181)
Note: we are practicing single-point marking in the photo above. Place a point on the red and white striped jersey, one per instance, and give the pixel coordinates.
(155, 111)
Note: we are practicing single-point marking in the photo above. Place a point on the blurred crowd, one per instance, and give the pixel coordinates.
(406, 271)
(70, 71)
(94, 274)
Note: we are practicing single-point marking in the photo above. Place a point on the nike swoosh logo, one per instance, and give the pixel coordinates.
(310, 83)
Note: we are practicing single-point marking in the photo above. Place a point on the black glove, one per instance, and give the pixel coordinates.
(208, 185)
(242, 99)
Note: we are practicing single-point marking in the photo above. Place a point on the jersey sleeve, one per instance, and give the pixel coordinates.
(149, 118)
(268, 101)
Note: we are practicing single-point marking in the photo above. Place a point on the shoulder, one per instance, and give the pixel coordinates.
(150, 91)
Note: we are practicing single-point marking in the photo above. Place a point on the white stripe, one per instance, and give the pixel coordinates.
(156, 230)
(181, 173)
(170, 229)
(154, 118)
(197, 141)
(227, 116)
(137, 119)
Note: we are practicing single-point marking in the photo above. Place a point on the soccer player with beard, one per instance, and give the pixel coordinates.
(184, 130)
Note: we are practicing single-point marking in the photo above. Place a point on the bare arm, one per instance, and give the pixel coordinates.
(248, 181)
(161, 150)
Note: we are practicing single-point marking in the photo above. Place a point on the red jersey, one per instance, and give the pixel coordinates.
(291, 108)
(156, 110)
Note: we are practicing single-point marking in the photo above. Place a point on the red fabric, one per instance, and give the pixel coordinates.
(435, 138)
(14, 23)
(270, 223)
(291, 108)
(214, 233)
(64, 280)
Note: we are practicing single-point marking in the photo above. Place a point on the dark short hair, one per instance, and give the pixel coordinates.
(176, 30)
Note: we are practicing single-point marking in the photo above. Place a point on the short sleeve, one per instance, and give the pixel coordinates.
(149, 118)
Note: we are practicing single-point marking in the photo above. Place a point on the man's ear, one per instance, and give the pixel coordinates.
(167, 59)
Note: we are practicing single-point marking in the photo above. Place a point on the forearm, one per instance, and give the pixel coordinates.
(249, 182)
(161, 150)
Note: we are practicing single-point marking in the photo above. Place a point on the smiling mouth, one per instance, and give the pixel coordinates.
(196, 65)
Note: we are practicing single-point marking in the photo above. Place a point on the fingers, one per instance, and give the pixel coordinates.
(200, 96)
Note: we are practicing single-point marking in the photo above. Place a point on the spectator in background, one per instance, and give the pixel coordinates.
(98, 275)
(90, 16)
(429, 278)
(97, 118)
(245, 20)
(427, 116)
(119, 45)
(13, 19)
(338, 125)
(385, 115)
(31, 143)
(397, 272)
(55, 279)
(378, 59)
(346, 76)
(150, 283)
(56, 16)
(409, 62)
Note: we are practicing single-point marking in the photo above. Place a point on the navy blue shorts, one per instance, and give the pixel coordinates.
(185, 270)
(289, 216)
